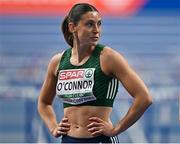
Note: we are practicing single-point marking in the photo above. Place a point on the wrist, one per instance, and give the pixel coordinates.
(117, 130)
(52, 129)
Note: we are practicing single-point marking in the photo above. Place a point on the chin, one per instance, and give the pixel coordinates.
(91, 43)
(94, 43)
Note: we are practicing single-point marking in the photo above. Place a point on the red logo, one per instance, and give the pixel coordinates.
(71, 74)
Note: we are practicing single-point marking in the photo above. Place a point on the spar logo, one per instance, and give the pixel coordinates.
(71, 74)
(75, 74)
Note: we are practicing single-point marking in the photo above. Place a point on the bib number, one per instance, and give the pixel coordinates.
(75, 86)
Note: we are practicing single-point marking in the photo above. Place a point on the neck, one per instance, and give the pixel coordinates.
(81, 52)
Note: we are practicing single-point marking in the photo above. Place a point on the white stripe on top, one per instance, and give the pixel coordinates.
(112, 88)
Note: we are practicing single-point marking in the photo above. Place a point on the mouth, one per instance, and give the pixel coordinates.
(95, 38)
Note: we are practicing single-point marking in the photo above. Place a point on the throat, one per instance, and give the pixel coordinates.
(78, 62)
(79, 56)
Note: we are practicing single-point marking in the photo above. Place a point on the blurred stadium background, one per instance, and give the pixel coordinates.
(146, 32)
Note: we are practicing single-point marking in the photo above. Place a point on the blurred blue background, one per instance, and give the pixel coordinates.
(149, 40)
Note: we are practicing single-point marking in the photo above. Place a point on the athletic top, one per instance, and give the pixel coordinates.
(86, 84)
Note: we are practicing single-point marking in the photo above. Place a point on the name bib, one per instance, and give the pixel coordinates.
(75, 86)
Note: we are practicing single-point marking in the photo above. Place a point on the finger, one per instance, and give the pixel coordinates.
(57, 135)
(63, 129)
(96, 119)
(94, 124)
(96, 133)
(93, 129)
(61, 133)
(64, 119)
(64, 125)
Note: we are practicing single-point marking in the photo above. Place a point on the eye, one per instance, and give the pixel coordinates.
(99, 23)
(89, 24)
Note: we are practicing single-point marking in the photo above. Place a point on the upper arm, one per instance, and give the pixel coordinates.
(118, 66)
(48, 89)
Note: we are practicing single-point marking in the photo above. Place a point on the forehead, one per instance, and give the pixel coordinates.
(93, 15)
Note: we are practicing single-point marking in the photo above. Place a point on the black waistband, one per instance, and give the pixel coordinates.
(70, 139)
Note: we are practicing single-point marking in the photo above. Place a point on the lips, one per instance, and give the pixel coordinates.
(95, 38)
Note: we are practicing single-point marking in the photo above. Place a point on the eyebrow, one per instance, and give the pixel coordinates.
(91, 20)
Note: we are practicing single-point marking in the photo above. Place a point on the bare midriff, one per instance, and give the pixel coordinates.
(78, 117)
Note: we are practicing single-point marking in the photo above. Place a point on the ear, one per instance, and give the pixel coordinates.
(72, 27)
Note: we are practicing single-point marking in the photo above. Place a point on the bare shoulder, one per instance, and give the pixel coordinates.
(112, 60)
(54, 63)
(109, 52)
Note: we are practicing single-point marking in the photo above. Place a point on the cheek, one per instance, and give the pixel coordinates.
(83, 34)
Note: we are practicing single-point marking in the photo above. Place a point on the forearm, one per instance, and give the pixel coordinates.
(134, 113)
(48, 115)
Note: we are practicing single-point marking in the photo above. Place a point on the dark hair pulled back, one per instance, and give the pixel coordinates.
(74, 16)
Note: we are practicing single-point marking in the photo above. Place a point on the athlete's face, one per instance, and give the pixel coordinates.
(88, 28)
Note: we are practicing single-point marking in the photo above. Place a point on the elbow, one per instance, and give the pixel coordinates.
(40, 106)
(148, 100)
(145, 98)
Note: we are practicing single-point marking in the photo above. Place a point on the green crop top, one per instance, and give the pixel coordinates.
(86, 84)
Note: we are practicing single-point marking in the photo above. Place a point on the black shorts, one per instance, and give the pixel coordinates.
(98, 139)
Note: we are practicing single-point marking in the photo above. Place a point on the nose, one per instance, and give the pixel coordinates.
(96, 29)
